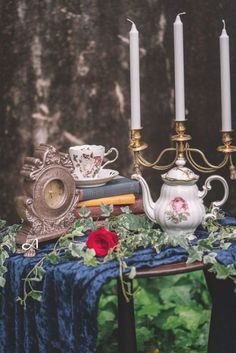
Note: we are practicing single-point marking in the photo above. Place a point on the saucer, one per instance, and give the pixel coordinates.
(102, 178)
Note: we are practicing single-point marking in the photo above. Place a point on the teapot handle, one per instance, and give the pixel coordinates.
(216, 204)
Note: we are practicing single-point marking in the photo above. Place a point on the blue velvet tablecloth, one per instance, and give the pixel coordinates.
(66, 319)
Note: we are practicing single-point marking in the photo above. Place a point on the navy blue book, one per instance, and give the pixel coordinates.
(117, 186)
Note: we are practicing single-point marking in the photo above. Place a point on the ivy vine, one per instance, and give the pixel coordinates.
(135, 231)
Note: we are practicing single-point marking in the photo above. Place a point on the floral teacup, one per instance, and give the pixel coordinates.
(87, 159)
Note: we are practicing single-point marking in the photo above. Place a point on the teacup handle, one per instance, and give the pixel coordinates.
(215, 205)
(107, 153)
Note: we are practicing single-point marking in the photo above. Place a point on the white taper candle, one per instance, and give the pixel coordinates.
(179, 69)
(134, 77)
(225, 80)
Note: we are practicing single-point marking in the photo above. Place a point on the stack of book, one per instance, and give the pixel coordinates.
(119, 192)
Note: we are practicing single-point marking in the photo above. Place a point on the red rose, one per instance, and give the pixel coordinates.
(102, 240)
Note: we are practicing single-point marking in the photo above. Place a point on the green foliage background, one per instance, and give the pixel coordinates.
(172, 315)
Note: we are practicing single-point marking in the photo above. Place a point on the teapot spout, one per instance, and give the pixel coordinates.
(148, 203)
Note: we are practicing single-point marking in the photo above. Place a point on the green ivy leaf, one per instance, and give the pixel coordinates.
(225, 245)
(221, 271)
(150, 310)
(89, 224)
(194, 255)
(2, 223)
(77, 224)
(89, 258)
(210, 258)
(13, 229)
(78, 232)
(77, 249)
(171, 323)
(191, 316)
(39, 271)
(210, 224)
(179, 295)
(143, 335)
(53, 258)
(105, 316)
(2, 281)
(84, 212)
(126, 209)
(36, 295)
(3, 270)
(64, 242)
(132, 222)
(106, 210)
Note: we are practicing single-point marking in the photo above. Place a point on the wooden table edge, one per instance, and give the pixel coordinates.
(170, 269)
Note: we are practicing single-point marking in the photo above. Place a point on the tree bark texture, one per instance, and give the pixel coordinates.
(64, 79)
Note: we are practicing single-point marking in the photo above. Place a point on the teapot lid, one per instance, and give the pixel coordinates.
(180, 173)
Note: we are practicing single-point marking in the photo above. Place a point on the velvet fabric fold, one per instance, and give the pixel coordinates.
(65, 321)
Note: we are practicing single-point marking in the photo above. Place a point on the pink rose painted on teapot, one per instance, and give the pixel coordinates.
(178, 210)
(178, 204)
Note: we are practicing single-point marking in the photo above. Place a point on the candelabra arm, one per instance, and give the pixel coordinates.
(154, 164)
(210, 167)
(183, 151)
(232, 169)
(138, 146)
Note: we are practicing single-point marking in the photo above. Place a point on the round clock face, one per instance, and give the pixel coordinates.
(54, 193)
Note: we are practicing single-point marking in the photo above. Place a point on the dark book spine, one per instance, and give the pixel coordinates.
(95, 211)
(132, 187)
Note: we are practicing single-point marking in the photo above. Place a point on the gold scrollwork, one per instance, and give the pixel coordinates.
(183, 150)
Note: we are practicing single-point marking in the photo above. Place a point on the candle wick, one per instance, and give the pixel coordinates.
(181, 13)
(130, 21)
(223, 24)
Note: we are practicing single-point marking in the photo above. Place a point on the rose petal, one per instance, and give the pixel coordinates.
(102, 240)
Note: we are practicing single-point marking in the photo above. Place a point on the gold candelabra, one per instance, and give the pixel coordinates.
(183, 150)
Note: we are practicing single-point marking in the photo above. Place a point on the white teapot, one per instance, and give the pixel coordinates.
(180, 208)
